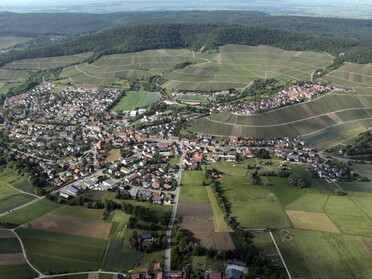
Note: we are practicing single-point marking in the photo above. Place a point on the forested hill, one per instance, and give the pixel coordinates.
(197, 37)
(73, 24)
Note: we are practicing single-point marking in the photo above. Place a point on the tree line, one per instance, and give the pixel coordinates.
(196, 36)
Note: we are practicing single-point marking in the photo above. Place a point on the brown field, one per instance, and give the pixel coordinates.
(6, 234)
(199, 209)
(113, 155)
(79, 227)
(197, 223)
(12, 259)
(367, 245)
(312, 221)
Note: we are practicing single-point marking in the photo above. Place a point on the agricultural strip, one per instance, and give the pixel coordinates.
(311, 221)
(30, 212)
(65, 225)
(17, 271)
(331, 256)
(117, 259)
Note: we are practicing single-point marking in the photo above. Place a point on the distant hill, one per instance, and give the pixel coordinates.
(73, 24)
(196, 36)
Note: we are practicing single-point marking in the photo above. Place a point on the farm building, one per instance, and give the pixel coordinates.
(236, 269)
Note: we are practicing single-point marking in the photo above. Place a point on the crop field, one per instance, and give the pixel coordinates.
(235, 66)
(24, 186)
(309, 202)
(352, 75)
(300, 119)
(17, 271)
(47, 62)
(65, 225)
(334, 135)
(30, 212)
(311, 221)
(78, 212)
(364, 187)
(6, 42)
(365, 169)
(133, 100)
(56, 252)
(327, 252)
(117, 259)
(348, 216)
(11, 75)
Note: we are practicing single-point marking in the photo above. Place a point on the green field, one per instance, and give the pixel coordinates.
(78, 212)
(6, 42)
(117, 259)
(30, 212)
(10, 245)
(24, 186)
(47, 62)
(299, 119)
(350, 74)
(253, 206)
(17, 272)
(192, 98)
(11, 198)
(192, 189)
(364, 169)
(133, 100)
(54, 252)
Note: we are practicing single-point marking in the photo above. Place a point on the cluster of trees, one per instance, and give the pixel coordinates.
(362, 147)
(158, 243)
(296, 180)
(196, 36)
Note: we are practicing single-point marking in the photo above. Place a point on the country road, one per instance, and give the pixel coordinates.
(168, 251)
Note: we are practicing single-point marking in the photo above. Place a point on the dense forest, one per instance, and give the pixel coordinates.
(73, 24)
(198, 37)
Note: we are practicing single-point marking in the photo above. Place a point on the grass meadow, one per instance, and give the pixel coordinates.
(192, 189)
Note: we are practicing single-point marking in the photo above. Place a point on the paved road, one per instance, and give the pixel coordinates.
(167, 265)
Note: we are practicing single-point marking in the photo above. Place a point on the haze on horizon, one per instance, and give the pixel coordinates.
(339, 8)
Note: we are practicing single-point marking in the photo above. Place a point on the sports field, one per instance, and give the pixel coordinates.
(133, 100)
(299, 119)
(352, 75)
(56, 252)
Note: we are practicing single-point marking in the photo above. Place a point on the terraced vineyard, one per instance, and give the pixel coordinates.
(353, 75)
(299, 119)
(47, 62)
(233, 66)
